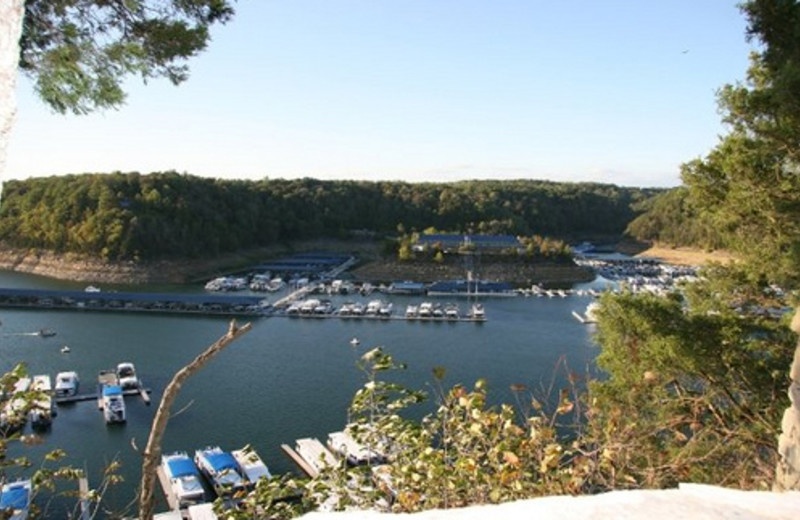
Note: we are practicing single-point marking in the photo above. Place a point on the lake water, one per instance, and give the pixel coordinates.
(285, 379)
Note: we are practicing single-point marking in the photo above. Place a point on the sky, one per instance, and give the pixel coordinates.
(612, 91)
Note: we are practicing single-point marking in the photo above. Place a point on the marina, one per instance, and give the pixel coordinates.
(303, 371)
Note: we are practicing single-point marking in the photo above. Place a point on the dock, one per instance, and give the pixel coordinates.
(172, 303)
(166, 487)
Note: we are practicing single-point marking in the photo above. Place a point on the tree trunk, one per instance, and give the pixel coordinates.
(11, 15)
(152, 453)
(787, 472)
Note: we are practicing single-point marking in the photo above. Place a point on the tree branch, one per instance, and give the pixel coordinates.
(152, 452)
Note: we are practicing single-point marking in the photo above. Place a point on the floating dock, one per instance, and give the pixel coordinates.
(176, 303)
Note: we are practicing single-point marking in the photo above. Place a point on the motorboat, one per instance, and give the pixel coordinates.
(411, 311)
(65, 349)
(41, 407)
(113, 404)
(476, 312)
(221, 469)
(425, 310)
(15, 500)
(47, 333)
(126, 376)
(591, 312)
(67, 384)
(385, 310)
(355, 342)
(373, 307)
(451, 311)
(250, 465)
(184, 478)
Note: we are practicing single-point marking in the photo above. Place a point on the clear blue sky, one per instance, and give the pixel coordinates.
(619, 91)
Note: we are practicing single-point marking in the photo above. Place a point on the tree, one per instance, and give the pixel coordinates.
(749, 184)
(78, 52)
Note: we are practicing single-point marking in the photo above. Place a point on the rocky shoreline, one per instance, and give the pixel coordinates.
(73, 267)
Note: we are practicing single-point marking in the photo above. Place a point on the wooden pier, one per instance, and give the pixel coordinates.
(300, 461)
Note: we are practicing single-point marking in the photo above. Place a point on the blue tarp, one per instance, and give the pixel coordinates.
(14, 497)
(181, 467)
(111, 390)
(221, 461)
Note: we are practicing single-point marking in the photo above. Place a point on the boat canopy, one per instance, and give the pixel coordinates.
(15, 496)
(181, 467)
(112, 390)
(221, 461)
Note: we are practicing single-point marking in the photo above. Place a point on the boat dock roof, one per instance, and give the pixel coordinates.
(197, 303)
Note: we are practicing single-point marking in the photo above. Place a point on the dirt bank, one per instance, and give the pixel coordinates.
(372, 267)
(675, 255)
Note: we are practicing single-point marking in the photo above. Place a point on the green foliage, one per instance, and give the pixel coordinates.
(750, 182)
(79, 52)
(133, 216)
(671, 218)
(695, 388)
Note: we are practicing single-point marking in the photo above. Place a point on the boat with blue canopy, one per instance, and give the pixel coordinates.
(15, 500)
(221, 469)
(184, 479)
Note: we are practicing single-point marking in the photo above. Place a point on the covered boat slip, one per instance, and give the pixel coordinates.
(200, 303)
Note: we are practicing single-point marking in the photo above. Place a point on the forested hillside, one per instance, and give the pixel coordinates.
(673, 219)
(169, 215)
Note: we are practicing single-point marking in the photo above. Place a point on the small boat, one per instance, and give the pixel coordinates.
(451, 311)
(15, 500)
(47, 333)
(385, 310)
(184, 478)
(411, 312)
(355, 342)
(92, 289)
(425, 310)
(476, 312)
(66, 384)
(126, 376)
(113, 404)
(373, 307)
(221, 470)
(65, 349)
(251, 465)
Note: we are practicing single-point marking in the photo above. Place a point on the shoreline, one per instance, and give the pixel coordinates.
(77, 268)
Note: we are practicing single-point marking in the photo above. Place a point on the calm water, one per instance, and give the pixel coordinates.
(285, 379)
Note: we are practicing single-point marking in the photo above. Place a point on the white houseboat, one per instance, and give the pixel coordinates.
(113, 404)
(184, 479)
(221, 469)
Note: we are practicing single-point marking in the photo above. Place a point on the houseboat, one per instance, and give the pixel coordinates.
(184, 479)
(126, 376)
(250, 465)
(15, 500)
(41, 408)
(113, 404)
(66, 384)
(352, 451)
(317, 456)
(221, 469)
